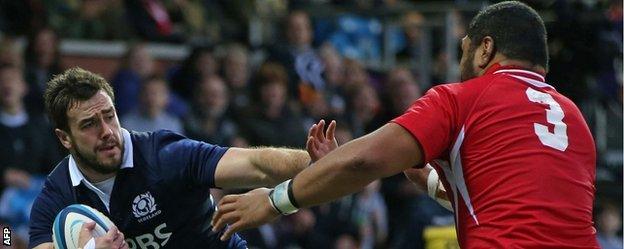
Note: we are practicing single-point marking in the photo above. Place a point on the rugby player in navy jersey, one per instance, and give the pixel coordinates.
(153, 185)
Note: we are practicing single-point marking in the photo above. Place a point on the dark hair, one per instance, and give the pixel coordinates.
(31, 55)
(73, 85)
(269, 73)
(518, 31)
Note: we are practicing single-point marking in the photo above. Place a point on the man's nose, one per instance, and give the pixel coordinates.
(107, 130)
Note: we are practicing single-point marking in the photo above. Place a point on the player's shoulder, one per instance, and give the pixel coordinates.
(57, 189)
(154, 137)
(458, 89)
(58, 179)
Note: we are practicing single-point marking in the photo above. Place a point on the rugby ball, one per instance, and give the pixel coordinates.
(68, 223)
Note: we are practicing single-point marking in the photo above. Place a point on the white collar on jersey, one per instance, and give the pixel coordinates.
(77, 176)
(517, 73)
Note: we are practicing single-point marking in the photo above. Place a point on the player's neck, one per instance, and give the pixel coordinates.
(93, 176)
(504, 61)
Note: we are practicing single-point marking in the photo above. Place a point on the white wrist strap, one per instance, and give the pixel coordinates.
(280, 199)
(432, 183)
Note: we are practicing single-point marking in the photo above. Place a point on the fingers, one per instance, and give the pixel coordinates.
(319, 130)
(313, 145)
(231, 230)
(309, 143)
(312, 130)
(331, 130)
(225, 219)
(118, 241)
(226, 205)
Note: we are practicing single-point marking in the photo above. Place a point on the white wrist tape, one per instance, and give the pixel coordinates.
(433, 185)
(280, 199)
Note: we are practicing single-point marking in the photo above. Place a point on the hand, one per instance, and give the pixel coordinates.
(243, 211)
(319, 144)
(113, 239)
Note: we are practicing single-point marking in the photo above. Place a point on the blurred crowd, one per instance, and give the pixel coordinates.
(232, 91)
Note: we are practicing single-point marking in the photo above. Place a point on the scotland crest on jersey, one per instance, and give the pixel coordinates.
(144, 207)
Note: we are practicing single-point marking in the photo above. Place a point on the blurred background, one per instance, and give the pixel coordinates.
(261, 72)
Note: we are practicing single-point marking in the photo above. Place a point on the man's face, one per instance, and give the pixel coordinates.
(299, 30)
(12, 87)
(467, 63)
(95, 137)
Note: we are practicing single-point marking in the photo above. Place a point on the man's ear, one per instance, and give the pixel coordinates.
(486, 52)
(64, 138)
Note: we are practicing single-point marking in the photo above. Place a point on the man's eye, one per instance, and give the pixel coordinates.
(110, 117)
(87, 124)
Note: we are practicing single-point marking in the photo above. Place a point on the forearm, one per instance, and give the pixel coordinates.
(354, 165)
(279, 164)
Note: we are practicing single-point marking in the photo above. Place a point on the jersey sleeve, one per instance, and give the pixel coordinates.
(42, 216)
(430, 121)
(191, 161)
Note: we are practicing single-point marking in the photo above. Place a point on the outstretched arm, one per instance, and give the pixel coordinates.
(387, 151)
(268, 166)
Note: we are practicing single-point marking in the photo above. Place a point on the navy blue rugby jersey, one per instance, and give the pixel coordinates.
(160, 199)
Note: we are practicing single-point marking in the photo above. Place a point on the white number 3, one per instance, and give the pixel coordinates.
(554, 115)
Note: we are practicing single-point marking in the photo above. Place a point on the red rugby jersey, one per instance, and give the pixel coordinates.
(521, 160)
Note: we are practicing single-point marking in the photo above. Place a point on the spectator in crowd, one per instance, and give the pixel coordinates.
(416, 52)
(298, 56)
(198, 65)
(209, 121)
(10, 53)
(272, 120)
(372, 216)
(401, 90)
(355, 74)
(609, 225)
(191, 18)
(364, 110)
(300, 230)
(88, 19)
(137, 66)
(151, 20)
(334, 75)
(28, 151)
(27, 147)
(42, 58)
(236, 73)
(151, 114)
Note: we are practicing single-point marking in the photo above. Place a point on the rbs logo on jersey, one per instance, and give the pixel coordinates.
(150, 241)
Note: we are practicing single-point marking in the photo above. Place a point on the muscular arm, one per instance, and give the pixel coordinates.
(387, 151)
(259, 167)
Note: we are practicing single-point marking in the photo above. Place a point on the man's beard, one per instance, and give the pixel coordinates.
(467, 68)
(92, 163)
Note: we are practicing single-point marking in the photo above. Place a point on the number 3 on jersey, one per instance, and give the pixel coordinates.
(554, 115)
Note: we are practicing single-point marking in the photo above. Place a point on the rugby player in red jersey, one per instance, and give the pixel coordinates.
(521, 159)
